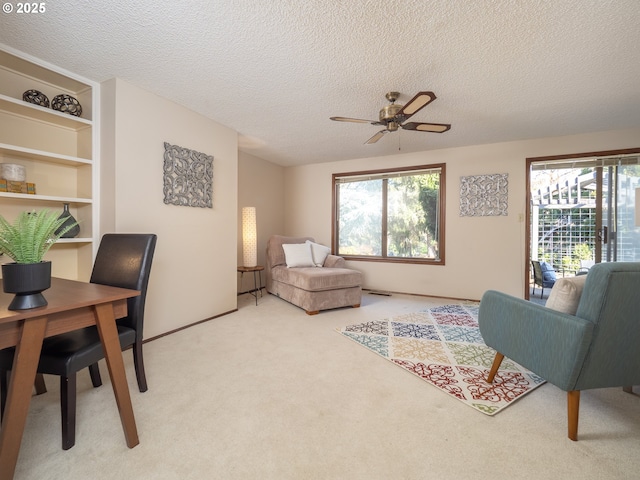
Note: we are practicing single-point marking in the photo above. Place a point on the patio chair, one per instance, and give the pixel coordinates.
(543, 275)
(585, 265)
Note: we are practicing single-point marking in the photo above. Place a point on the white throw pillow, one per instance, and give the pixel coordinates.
(298, 255)
(319, 253)
(565, 294)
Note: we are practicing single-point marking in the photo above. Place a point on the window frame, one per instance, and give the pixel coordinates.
(381, 173)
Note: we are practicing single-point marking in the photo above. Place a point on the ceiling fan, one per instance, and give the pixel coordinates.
(393, 115)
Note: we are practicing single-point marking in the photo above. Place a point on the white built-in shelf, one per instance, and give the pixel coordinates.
(48, 142)
(36, 112)
(40, 155)
(75, 240)
(46, 198)
(30, 67)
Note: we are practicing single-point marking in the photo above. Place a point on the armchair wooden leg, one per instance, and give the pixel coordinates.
(573, 409)
(627, 389)
(494, 368)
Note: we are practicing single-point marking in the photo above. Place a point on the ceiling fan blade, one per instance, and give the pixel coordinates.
(421, 100)
(427, 127)
(354, 120)
(376, 137)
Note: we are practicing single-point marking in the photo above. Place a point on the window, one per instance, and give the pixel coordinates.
(394, 215)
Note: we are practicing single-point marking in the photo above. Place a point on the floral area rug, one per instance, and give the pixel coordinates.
(443, 346)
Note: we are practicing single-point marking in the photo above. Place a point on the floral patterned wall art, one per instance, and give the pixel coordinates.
(484, 195)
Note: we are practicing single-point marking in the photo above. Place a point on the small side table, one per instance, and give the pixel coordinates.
(257, 280)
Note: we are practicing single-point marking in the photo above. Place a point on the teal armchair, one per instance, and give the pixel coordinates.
(598, 347)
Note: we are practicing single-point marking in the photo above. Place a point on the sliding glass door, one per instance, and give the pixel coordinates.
(582, 211)
(619, 235)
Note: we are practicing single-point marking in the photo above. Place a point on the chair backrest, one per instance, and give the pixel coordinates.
(124, 260)
(611, 300)
(537, 272)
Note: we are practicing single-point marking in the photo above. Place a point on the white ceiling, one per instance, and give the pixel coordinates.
(276, 70)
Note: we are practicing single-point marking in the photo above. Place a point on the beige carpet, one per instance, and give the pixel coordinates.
(269, 392)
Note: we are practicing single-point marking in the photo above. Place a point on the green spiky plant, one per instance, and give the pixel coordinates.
(31, 235)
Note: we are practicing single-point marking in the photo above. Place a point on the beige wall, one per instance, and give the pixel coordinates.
(481, 253)
(260, 185)
(193, 277)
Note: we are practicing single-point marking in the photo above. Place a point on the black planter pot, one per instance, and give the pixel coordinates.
(27, 281)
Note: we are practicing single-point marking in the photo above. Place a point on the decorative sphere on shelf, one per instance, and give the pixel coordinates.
(66, 104)
(36, 97)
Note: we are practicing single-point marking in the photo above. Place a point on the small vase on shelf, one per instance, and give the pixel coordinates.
(70, 219)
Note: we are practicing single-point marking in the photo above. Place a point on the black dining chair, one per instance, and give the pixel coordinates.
(123, 260)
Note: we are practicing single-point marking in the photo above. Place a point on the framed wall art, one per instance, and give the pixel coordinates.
(484, 195)
(188, 177)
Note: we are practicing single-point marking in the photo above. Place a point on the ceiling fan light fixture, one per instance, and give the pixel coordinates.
(389, 112)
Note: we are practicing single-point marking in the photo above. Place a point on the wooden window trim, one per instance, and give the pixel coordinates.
(441, 215)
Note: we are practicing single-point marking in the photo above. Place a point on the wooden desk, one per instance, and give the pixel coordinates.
(72, 305)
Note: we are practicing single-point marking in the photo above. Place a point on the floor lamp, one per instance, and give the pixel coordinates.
(249, 237)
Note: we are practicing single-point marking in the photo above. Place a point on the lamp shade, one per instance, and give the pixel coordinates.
(638, 207)
(249, 237)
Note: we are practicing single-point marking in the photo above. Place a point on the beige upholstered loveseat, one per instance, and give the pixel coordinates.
(318, 282)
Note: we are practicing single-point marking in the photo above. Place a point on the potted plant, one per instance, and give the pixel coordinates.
(26, 240)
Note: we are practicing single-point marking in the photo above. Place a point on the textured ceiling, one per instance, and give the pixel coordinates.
(276, 70)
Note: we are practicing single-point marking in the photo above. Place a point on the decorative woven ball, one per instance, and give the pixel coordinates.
(66, 104)
(34, 96)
